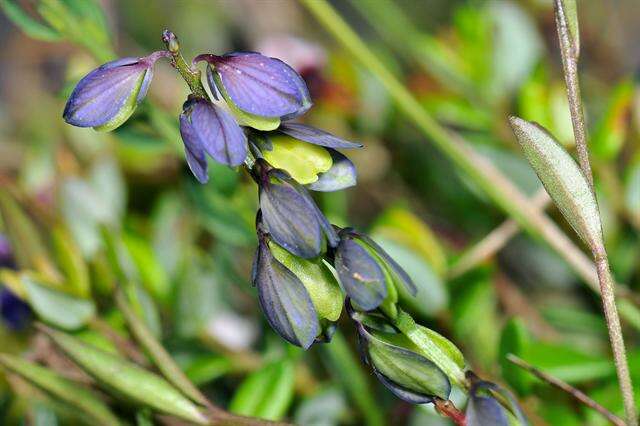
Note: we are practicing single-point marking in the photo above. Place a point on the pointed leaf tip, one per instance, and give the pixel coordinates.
(562, 178)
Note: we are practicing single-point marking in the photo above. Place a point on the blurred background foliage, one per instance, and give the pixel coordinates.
(82, 210)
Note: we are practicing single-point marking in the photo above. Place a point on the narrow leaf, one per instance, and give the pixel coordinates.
(61, 388)
(26, 23)
(129, 380)
(158, 354)
(71, 262)
(562, 178)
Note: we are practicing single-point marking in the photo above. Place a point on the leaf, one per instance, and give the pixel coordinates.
(325, 408)
(55, 307)
(266, 393)
(152, 273)
(632, 191)
(61, 388)
(158, 354)
(563, 180)
(28, 248)
(612, 128)
(71, 262)
(515, 340)
(26, 23)
(127, 379)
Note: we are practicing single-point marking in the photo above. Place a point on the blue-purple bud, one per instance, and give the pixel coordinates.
(14, 312)
(367, 273)
(283, 298)
(492, 405)
(290, 215)
(107, 96)
(208, 129)
(259, 85)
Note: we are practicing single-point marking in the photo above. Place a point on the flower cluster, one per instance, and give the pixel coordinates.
(305, 269)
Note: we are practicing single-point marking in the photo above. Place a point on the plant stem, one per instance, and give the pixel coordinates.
(495, 184)
(189, 74)
(570, 53)
(447, 409)
(575, 393)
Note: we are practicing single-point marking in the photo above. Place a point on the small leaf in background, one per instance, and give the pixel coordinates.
(129, 380)
(400, 224)
(632, 191)
(325, 408)
(266, 393)
(610, 133)
(475, 320)
(71, 263)
(152, 274)
(515, 340)
(28, 249)
(30, 26)
(56, 307)
(198, 298)
(563, 179)
(61, 388)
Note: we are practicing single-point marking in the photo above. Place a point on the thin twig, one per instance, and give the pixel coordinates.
(575, 393)
(447, 409)
(570, 53)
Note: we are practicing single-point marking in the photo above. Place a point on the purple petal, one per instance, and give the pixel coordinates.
(315, 136)
(399, 273)
(219, 134)
(291, 220)
(193, 150)
(261, 85)
(484, 409)
(341, 175)
(284, 300)
(360, 274)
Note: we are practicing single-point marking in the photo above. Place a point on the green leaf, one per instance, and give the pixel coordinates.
(327, 408)
(61, 388)
(317, 278)
(127, 379)
(632, 191)
(26, 23)
(302, 160)
(158, 354)
(71, 262)
(28, 248)
(266, 393)
(563, 180)
(207, 368)
(152, 274)
(55, 307)
(611, 129)
(515, 340)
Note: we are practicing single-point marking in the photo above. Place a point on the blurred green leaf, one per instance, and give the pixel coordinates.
(71, 263)
(127, 379)
(55, 307)
(632, 191)
(325, 408)
(206, 368)
(26, 23)
(266, 393)
(61, 388)
(158, 354)
(563, 179)
(150, 271)
(26, 243)
(515, 340)
(611, 129)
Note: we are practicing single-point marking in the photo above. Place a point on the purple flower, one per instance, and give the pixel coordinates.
(290, 215)
(208, 129)
(366, 271)
(107, 96)
(283, 297)
(14, 312)
(490, 404)
(259, 85)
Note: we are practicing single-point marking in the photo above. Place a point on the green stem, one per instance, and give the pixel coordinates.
(190, 75)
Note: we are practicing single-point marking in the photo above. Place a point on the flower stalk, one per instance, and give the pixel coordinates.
(568, 37)
(190, 75)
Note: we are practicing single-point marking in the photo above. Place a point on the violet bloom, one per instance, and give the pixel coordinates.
(107, 96)
(283, 297)
(490, 404)
(366, 271)
(290, 215)
(14, 312)
(208, 129)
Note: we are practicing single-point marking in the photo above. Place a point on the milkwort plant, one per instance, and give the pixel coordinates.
(305, 269)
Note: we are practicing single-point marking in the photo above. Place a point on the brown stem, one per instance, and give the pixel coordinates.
(575, 393)
(447, 409)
